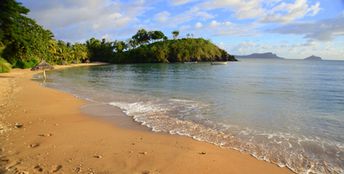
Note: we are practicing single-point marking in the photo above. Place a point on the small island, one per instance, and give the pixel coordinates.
(313, 58)
(267, 55)
(147, 47)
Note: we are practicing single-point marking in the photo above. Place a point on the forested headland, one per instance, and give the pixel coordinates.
(24, 43)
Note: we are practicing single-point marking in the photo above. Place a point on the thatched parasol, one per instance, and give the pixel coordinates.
(43, 65)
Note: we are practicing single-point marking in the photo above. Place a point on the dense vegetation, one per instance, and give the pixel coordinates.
(179, 50)
(24, 43)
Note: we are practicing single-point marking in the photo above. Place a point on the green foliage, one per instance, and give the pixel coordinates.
(23, 37)
(156, 35)
(120, 46)
(2, 47)
(4, 66)
(10, 11)
(141, 37)
(100, 50)
(81, 53)
(28, 63)
(181, 50)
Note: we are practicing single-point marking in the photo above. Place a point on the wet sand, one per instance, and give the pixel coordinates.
(43, 130)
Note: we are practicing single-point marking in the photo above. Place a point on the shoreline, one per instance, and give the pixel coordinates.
(46, 131)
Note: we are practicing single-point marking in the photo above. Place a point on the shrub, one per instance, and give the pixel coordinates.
(23, 64)
(4, 66)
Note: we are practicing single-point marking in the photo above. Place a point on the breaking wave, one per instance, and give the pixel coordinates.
(299, 153)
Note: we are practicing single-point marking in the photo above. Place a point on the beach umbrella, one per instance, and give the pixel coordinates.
(43, 65)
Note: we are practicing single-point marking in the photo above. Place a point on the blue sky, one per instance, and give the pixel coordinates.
(289, 28)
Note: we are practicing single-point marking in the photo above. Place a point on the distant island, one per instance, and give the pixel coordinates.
(313, 58)
(267, 55)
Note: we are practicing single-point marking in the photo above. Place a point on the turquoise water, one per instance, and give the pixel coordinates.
(289, 112)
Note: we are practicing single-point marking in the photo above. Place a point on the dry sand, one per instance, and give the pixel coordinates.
(42, 130)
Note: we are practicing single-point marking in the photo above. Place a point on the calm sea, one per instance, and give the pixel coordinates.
(288, 112)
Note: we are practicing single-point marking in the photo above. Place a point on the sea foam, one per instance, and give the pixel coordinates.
(283, 149)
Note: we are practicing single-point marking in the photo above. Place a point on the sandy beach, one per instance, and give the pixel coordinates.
(43, 130)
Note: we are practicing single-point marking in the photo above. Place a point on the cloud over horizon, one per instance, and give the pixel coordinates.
(322, 30)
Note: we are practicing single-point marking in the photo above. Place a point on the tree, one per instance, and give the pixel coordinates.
(132, 43)
(120, 46)
(25, 41)
(156, 35)
(64, 53)
(100, 50)
(80, 52)
(93, 46)
(175, 34)
(141, 37)
(10, 11)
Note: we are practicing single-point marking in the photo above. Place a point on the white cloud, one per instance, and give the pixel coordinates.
(248, 44)
(266, 11)
(204, 15)
(98, 17)
(200, 13)
(287, 12)
(162, 16)
(323, 30)
(180, 2)
(314, 9)
(198, 25)
(227, 28)
(182, 18)
(214, 23)
(242, 9)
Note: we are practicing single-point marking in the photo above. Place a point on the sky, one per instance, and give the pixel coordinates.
(290, 28)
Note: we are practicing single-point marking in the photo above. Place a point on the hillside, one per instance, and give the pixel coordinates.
(267, 55)
(169, 51)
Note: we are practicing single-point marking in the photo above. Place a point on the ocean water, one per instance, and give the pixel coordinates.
(288, 112)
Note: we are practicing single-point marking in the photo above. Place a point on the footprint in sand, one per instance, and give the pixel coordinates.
(56, 168)
(45, 135)
(77, 169)
(38, 168)
(18, 125)
(18, 171)
(11, 165)
(146, 172)
(4, 160)
(34, 145)
(97, 156)
(202, 153)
